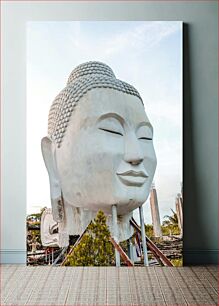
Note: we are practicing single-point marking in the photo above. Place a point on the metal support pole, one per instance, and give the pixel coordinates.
(143, 238)
(130, 250)
(115, 232)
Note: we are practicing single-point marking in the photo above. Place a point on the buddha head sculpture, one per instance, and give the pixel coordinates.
(99, 150)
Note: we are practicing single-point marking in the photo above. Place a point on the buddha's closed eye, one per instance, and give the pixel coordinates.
(145, 138)
(111, 125)
(111, 131)
(145, 133)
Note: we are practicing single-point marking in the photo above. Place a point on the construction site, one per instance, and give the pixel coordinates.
(163, 242)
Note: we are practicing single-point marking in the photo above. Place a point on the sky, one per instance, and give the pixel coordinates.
(147, 55)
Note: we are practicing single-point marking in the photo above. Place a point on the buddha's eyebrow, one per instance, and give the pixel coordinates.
(147, 124)
(112, 115)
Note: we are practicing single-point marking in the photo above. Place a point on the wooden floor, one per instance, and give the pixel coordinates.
(23, 285)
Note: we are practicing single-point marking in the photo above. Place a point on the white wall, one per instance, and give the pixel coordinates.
(200, 104)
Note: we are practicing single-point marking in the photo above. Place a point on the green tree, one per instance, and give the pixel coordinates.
(171, 224)
(173, 220)
(33, 229)
(149, 230)
(35, 217)
(95, 248)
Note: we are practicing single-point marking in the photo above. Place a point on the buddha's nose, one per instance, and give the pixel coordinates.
(133, 153)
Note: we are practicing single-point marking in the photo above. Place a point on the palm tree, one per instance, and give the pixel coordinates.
(172, 223)
(172, 220)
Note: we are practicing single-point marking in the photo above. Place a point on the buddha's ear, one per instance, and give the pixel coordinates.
(48, 151)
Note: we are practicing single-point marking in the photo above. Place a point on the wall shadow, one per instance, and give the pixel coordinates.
(193, 231)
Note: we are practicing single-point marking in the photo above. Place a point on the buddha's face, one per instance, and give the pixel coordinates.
(107, 155)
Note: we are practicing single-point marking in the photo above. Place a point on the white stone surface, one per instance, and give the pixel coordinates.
(106, 158)
(47, 226)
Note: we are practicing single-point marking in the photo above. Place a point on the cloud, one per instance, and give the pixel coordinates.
(144, 36)
(138, 37)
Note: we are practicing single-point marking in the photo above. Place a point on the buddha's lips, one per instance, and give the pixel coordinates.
(133, 178)
(133, 173)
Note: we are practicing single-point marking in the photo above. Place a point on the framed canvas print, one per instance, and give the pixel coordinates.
(104, 143)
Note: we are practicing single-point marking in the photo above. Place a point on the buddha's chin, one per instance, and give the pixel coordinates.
(126, 199)
(130, 203)
(124, 205)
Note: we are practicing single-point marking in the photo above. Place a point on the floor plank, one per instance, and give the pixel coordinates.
(23, 285)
